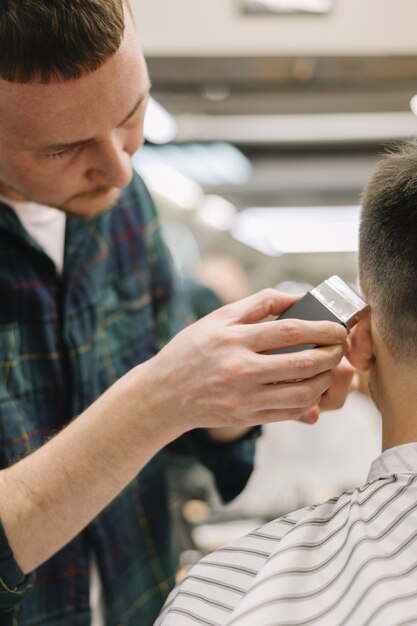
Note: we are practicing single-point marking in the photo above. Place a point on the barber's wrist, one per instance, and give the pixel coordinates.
(150, 404)
(228, 434)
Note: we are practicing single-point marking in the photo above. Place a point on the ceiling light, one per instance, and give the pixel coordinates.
(171, 184)
(277, 231)
(413, 105)
(287, 6)
(209, 164)
(217, 212)
(159, 127)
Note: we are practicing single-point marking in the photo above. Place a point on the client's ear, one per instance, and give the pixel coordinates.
(360, 351)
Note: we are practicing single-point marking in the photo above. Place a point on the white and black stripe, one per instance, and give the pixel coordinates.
(349, 561)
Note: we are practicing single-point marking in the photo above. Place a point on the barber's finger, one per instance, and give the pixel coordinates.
(294, 395)
(289, 332)
(292, 366)
(311, 416)
(268, 416)
(257, 307)
(335, 396)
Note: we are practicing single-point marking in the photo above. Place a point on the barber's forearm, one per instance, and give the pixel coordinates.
(214, 374)
(50, 496)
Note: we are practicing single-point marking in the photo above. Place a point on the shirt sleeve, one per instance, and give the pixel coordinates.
(13, 583)
(230, 463)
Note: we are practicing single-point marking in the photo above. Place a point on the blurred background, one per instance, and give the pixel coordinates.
(266, 120)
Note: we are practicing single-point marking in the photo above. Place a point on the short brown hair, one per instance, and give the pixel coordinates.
(45, 40)
(388, 250)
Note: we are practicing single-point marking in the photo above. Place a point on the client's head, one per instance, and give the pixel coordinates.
(388, 251)
(386, 341)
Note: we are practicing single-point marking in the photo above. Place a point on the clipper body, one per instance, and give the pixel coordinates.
(332, 300)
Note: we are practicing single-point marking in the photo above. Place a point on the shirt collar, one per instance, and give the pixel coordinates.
(398, 460)
(10, 223)
(77, 228)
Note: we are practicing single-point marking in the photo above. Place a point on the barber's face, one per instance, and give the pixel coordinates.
(69, 144)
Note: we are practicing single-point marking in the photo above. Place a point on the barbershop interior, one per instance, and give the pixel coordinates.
(265, 121)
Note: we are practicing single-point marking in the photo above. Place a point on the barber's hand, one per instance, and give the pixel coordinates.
(217, 372)
(345, 380)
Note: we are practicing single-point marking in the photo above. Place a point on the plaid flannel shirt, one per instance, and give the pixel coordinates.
(63, 341)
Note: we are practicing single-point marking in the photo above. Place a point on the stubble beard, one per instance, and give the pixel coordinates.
(9, 191)
(96, 202)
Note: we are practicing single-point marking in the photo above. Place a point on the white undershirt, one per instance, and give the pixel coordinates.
(46, 226)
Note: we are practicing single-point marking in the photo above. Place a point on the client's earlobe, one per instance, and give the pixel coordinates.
(360, 351)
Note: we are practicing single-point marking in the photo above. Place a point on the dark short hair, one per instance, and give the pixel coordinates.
(45, 40)
(388, 249)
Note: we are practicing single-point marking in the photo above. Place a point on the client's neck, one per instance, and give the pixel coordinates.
(394, 387)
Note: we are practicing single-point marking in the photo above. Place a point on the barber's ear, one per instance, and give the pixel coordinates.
(360, 351)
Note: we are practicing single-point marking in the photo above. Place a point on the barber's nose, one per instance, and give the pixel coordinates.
(112, 166)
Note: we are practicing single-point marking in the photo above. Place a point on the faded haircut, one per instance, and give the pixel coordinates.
(388, 250)
(46, 40)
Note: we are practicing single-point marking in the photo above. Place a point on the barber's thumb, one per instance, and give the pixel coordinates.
(311, 416)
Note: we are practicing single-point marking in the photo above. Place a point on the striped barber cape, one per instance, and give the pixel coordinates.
(351, 560)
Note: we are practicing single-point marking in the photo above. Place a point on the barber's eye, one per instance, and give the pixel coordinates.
(62, 153)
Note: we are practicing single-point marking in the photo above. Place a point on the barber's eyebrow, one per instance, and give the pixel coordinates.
(140, 101)
(75, 144)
